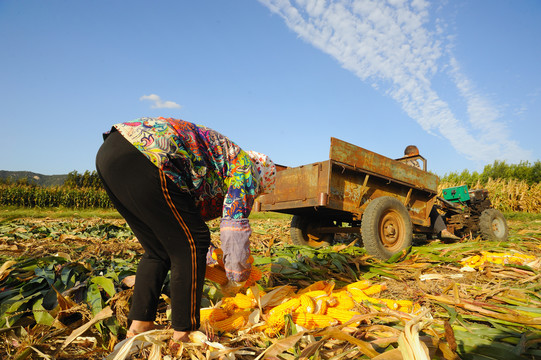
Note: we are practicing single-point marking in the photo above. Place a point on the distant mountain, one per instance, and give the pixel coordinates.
(34, 178)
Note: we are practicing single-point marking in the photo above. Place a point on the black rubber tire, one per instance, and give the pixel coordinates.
(386, 227)
(303, 231)
(493, 226)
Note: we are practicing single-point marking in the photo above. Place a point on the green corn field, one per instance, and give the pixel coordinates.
(506, 195)
(34, 196)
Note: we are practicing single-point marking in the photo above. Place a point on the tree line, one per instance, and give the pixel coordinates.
(85, 190)
(524, 171)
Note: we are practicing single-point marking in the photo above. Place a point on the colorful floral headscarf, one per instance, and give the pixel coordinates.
(266, 169)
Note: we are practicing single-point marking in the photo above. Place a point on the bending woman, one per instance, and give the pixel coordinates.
(167, 177)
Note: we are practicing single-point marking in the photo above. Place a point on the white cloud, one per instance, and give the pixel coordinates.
(389, 44)
(158, 103)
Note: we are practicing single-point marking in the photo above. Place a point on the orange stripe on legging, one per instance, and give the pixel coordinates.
(192, 247)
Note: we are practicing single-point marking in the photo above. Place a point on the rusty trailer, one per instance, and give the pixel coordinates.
(355, 191)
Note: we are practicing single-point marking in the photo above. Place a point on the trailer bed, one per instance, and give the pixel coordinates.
(341, 187)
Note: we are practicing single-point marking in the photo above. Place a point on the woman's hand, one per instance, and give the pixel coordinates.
(231, 288)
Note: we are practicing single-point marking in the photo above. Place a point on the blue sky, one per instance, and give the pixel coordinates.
(460, 79)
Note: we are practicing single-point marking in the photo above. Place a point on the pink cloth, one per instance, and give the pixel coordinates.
(266, 169)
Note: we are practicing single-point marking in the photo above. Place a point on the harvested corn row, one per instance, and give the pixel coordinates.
(314, 307)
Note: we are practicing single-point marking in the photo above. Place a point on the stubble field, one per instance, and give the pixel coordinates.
(65, 287)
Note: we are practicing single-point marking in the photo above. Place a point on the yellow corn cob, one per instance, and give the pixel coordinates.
(306, 304)
(275, 318)
(213, 314)
(255, 275)
(315, 294)
(318, 285)
(216, 273)
(218, 255)
(358, 295)
(229, 305)
(204, 315)
(415, 309)
(391, 304)
(286, 307)
(340, 315)
(361, 285)
(250, 293)
(406, 306)
(235, 322)
(406, 309)
(271, 331)
(329, 287)
(404, 303)
(243, 301)
(343, 300)
(394, 304)
(374, 289)
(276, 322)
(313, 321)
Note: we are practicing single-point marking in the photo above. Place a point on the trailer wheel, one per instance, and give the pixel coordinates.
(493, 226)
(304, 231)
(386, 227)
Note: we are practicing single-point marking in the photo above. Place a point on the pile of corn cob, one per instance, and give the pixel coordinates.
(479, 261)
(317, 306)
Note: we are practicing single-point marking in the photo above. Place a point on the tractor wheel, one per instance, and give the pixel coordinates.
(304, 231)
(493, 226)
(386, 227)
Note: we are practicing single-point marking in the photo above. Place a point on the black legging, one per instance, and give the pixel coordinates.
(168, 225)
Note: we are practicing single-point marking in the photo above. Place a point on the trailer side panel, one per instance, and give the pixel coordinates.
(376, 164)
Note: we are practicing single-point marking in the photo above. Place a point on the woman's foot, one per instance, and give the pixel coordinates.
(138, 327)
(181, 336)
